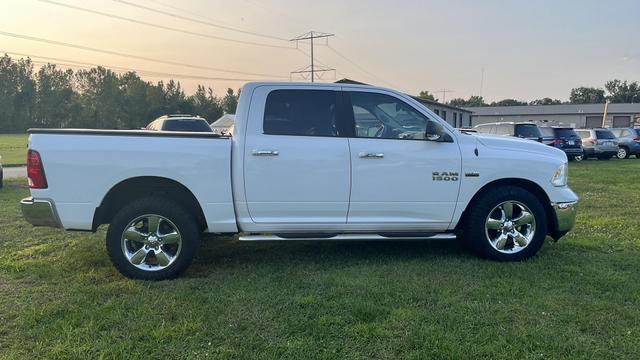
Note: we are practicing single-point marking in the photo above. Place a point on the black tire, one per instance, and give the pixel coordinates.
(476, 217)
(184, 222)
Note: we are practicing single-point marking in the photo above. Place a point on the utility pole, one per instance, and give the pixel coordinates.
(313, 68)
(444, 94)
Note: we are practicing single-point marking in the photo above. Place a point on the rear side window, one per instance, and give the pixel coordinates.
(547, 131)
(528, 131)
(186, 125)
(584, 134)
(487, 129)
(504, 129)
(604, 134)
(301, 112)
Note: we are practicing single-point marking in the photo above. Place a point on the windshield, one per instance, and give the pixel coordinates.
(195, 125)
(528, 131)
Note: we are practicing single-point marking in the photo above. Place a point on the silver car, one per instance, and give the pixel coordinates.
(600, 143)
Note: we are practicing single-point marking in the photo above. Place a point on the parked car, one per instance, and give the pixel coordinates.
(628, 142)
(600, 143)
(523, 130)
(309, 161)
(565, 139)
(180, 123)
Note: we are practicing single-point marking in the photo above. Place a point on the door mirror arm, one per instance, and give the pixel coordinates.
(435, 132)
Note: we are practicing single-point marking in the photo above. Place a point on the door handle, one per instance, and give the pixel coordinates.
(265, 152)
(366, 155)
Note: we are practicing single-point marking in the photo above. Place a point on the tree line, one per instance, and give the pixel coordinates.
(615, 91)
(95, 98)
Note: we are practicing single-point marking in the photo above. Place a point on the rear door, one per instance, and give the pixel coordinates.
(399, 180)
(297, 168)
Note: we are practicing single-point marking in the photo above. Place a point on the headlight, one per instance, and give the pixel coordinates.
(560, 176)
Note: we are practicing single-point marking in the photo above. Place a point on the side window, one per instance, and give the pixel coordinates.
(301, 112)
(625, 133)
(503, 129)
(386, 117)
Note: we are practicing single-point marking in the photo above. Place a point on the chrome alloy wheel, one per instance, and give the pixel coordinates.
(151, 242)
(622, 153)
(510, 227)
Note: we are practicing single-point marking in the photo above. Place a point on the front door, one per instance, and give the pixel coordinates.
(400, 180)
(296, 167)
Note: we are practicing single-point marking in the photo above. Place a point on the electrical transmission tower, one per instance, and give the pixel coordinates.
(444, 94)
(312, 70)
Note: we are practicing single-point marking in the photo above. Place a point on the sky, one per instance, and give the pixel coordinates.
(498, 49)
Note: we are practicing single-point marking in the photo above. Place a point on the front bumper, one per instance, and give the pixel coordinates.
(565, 218)
(40, 212)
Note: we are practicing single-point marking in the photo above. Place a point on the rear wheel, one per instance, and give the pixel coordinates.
(152, 239)
(623, 153)
(506, 224)
(578, 157)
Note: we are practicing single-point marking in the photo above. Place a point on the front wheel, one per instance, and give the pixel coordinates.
(152, 239)
(506, 224)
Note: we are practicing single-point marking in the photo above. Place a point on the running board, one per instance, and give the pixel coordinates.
(445, 236)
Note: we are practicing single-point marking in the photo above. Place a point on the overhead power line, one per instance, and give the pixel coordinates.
(132, 56)
(75, 63)
(164, 27)
(202, 22)
(344, 57)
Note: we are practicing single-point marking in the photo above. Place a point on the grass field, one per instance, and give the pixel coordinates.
(13, 149)
(580, 298)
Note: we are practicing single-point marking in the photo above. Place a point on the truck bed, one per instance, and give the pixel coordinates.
(81, 166)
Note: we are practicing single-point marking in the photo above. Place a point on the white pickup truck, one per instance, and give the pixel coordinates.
(305, 161)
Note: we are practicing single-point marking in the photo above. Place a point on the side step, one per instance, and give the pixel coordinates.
(342, 237)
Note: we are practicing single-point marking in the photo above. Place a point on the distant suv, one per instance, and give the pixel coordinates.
(600, 143)
(565, 139)
(522, 130)
(180, 122)
(628, 142)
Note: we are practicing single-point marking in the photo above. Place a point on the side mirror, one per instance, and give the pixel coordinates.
(435, 132)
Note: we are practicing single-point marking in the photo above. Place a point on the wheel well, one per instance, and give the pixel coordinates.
(528, 185)
(135, 188)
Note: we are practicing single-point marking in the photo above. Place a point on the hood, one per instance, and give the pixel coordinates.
(511, 143)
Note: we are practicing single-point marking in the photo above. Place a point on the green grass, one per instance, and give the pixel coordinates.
(13, 149)
(579, 298)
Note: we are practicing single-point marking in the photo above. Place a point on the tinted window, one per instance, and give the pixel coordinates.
(604, 134)
(565, 133)
(193, 125)
(527, 131)
(301, 112)
(386, 117)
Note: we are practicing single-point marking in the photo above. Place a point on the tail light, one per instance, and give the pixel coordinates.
(636, 138)
(557, 142)
(592, 141)
(579, 141)
(35, 171)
